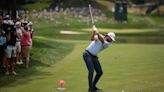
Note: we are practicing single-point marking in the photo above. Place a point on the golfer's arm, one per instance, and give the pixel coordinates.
(93, 35)
(100, 38)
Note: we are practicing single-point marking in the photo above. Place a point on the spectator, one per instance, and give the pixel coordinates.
(10, 51)
(25, 44)
(12, 37)
(18, 45)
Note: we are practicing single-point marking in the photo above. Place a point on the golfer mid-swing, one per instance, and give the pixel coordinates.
(99, 43)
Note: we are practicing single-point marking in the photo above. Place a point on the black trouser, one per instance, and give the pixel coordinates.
(92, 64)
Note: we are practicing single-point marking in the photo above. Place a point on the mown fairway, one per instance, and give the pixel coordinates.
(128, 67)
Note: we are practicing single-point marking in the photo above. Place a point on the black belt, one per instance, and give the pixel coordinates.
(91, 54)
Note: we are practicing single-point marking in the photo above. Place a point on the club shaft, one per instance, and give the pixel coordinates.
(90, 10)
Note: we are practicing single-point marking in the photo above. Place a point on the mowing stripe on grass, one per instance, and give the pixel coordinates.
(129, 67)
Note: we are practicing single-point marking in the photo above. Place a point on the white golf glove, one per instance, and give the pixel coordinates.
(94, 28)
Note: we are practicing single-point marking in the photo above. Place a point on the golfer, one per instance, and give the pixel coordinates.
(99, 43)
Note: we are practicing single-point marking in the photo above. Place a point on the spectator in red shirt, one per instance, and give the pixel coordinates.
(25, 44)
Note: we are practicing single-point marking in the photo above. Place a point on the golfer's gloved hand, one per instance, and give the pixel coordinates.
(94, 29)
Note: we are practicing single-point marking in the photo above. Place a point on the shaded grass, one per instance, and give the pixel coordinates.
(44, 53)
(47, 48)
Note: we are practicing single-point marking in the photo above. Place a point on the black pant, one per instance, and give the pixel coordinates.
(92, 64)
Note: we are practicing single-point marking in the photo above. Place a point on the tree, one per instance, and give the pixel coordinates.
(8, 6)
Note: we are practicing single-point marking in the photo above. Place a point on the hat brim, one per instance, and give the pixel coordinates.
(113, 39)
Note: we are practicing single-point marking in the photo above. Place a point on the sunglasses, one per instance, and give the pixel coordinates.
(108, 40)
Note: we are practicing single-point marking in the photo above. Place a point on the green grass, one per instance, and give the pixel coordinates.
(146, 32)
(35, 6)
(133, 35)
(43, 54)
(129, 67)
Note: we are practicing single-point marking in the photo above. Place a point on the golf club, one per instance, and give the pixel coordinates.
(90, 10)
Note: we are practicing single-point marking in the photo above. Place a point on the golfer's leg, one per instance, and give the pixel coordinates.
(98, 70)
(90, 67)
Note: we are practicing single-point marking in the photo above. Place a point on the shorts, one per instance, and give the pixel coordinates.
(10, 51)
(18, 47)
(25, 51)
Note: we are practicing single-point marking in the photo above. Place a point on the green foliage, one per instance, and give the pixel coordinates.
(35, 6)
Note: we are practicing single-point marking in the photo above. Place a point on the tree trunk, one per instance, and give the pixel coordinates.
(13, 9)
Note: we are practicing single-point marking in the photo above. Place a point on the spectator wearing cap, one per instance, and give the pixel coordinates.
(10, 51)
(25, 44)
(98, 44)
(18, 44)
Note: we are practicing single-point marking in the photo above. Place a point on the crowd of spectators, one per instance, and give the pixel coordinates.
(80, 13)
(15, 43)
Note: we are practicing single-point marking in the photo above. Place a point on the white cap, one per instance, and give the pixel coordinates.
(5, 22)
(112, 35)
(7, 17)
(18, 23)
(10, 22)
(30, 23)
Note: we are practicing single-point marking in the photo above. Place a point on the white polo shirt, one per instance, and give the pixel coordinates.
(20, 32)
(96, 46)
